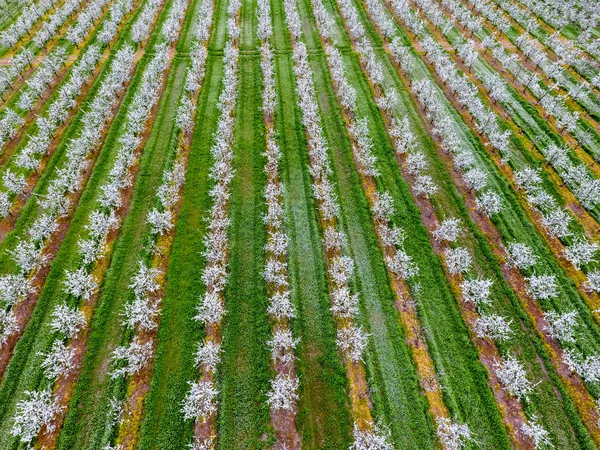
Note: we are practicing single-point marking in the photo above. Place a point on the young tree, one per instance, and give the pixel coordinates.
(587, 368)
(58, 361)
(458, 260)
(135, 356)
(537, 433)
(521, 255)
(344, 303)
(581, 251)
(37, 410)
(281, 305)
(208, 355)
(512, 375)
(283, 393)
(8, 325)
(452, 435)
(561, 326)
(352, 341)
(477, 291)
(493, 326)
(14, 288)
(200, 401)
(593, 281)
(79, 283)
(489, 202)
(282, 346)
(373, 438)
(448, 230)
(542, 286)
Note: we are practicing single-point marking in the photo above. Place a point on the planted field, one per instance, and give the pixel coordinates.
(299, 224)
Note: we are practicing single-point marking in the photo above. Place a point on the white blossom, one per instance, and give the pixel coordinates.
(58, 361)
(135, 356)
(512, 375)
(493, 326)
(561, 326)
(458, 260)
(521, 255)
(282, 394)
(200, 401)
(538, 434)
(542, 286)
(448, 230)
(452, 435)
(208, 355)
(37, 410)
(79, 283)
(68, 321)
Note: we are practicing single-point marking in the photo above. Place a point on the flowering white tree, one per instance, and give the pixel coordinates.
(521, 255)
(79, 283)
(58, 361)
(538, 434)
(68, 321)
(490, 203)
(373, 438)
(352, 341)
(208, 355)
(448, 230)
(581, 251)
(211, 309)
(477, 290)
(200, 401)
(593, 280)
(14, 288)
(282, 346)
(493, 326)
(561, 326)
(542, 286)
(458, 260)
(383, 206)
(344, 303)
(587, 368)
(281, 305)
(513, 376)
(135, 356)
(452, 435)
(8, 325)
(33, 413)
(283, 393)
(333, 239)
(557, 222)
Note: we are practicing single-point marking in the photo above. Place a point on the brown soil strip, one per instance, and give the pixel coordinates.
(583, 400)
(205, 430)
(282, 420)
(65, 385)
